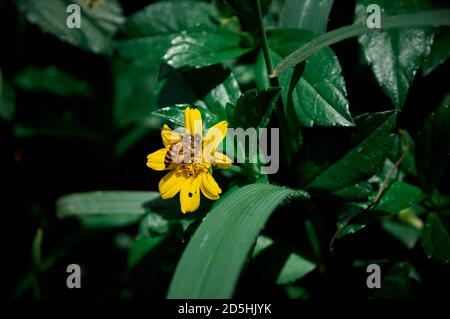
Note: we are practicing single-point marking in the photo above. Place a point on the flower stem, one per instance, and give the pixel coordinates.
(263, 37)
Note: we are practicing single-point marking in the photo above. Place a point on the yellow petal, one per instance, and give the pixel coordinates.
(169, 136)
(193, 121)
(215, 135)
(156, 160)
(190, 195)
(170, 184)
(209, 186)
(221, 160)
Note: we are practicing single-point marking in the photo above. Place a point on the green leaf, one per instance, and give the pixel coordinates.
(399, 196)
(203, 46)
(175, 115)
(227, 92)
(169, 17)
(105, 208)
(254, 108)
(395, 55)
(279, 263)
(98, 24)
(147, 34)
(404, 233)
(362, 161)
(141, 247)
(295, 268)
(134, 94)
(306, 14)
(436, 239)
(7, 100)
(433, 146)
(440, 52)
(52, 80)
(429, 18)
(319, 97)
(213, 260)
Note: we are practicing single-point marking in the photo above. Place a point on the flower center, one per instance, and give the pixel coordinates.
(193, 169)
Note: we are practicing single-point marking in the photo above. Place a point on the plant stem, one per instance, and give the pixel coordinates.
(263, 37)
(280, 110)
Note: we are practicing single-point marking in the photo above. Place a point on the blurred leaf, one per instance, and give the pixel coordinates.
(319, 97)
(360, 217)
(245, 10)
(396, 54)
(213, 260)
(296, 267)
(399, 195)
(404, 233)
(7, 100)
(203, 46)
(440, 52)
(278, 262)
(104, 208)
(141, 247)
(362, 161)
(306, 14)
(398, 283)
(175, 115)
(134, 94)
(52, 80)
(436, 239)
(98, 24)
(254, 108)
(433, 146)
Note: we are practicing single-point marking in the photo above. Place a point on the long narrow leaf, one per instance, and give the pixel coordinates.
(428, 18)
(213, 260)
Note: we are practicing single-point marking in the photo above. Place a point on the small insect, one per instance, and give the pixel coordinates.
(187, 151)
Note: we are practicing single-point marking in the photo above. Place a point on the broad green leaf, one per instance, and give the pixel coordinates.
(433, 18)
(203, 46)
(213, 260)
(432, 151)
(362, 161)
(440, 52)
(169, 17)
(254, 107)
(105, 208)
(436, 239)
(360, 217)
(400, 195)
(52, 80)
(359, 191)
(147, 34)
(226, 92)
(395, 55)
(306, 14)
(175, 115)
(99, 23)
(134, 94)
(319, 97)
(7, 99)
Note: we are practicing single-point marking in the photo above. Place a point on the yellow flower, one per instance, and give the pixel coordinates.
(189, 157)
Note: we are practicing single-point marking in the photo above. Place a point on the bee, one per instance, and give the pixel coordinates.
(187, 151)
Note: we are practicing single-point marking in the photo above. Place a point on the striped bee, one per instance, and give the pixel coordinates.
(187, 151)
